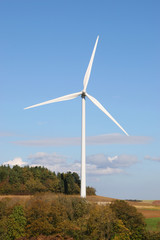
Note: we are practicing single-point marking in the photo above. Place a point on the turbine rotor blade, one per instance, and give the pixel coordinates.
(88, 72)
(99, 105)
(59, 99)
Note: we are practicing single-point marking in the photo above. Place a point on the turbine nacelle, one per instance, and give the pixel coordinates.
(83, 94)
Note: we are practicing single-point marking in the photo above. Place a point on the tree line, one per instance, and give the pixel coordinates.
(29, 180)
(57, 217)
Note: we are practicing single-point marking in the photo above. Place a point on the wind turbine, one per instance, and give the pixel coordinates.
(83, 94)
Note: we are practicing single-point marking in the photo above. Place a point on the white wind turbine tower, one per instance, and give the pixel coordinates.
(83, 94)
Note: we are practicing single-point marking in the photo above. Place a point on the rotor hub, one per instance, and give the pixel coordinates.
(83, 94)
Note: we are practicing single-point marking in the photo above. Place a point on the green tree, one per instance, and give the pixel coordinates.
(29, 180)
(38, 218)
(16, 223)
(90, 191)
(80, 208)
(4, 172)
(100, 224)
(132, 220)
(70, 186)
(121, 232)
(34, 185)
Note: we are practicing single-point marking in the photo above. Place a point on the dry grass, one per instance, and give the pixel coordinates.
(100, 199)
(20, 197)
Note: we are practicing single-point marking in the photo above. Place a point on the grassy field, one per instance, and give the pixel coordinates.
(153, 224)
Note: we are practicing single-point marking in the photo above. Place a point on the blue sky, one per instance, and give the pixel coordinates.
(45, 48)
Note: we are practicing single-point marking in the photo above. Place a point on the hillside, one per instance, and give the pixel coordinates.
(30, 180)
(57, 217)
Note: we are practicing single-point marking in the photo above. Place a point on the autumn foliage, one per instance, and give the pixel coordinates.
(60, 217)
(51, 212)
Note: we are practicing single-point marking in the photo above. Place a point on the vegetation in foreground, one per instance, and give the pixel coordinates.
(53, 217)
(47, 216)
(30, 180)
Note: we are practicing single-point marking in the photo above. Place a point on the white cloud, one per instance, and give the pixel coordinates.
(111, 159)
(48, 158)
(157, 159)
(16, 161)
(124, 160)
(97, 159)
(50, 142)
(103, 161)
(115, 138)
(97, 164)
(96, 170)
(54, 162)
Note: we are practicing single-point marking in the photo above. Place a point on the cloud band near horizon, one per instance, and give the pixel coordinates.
(97, 164)
(105, 139)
